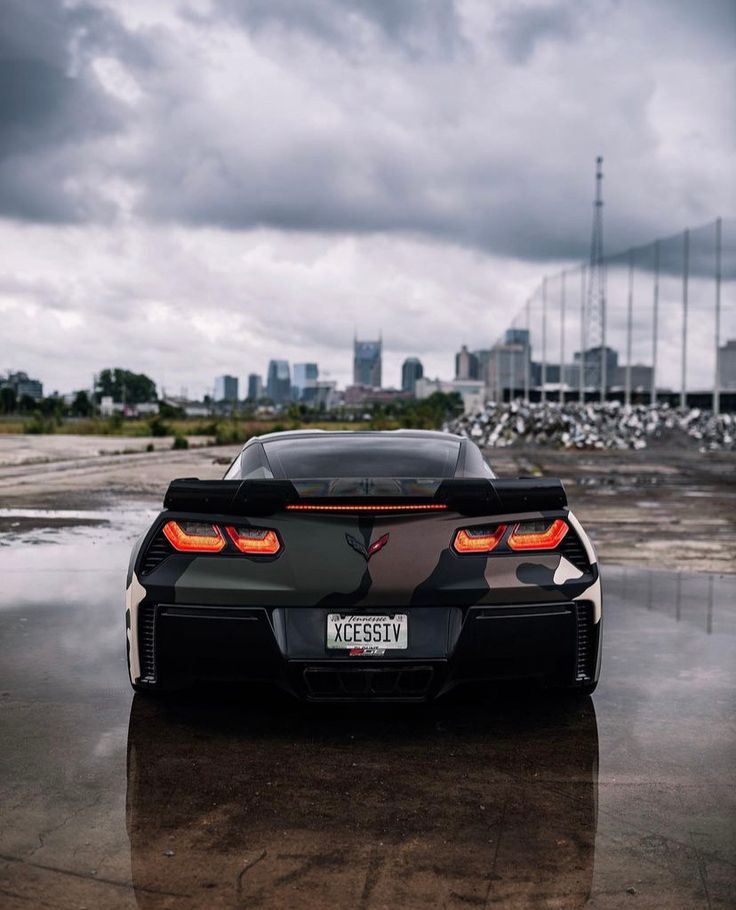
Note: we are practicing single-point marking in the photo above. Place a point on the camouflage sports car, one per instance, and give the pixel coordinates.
(374, 565)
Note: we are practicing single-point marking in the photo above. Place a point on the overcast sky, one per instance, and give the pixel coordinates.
(192, 188)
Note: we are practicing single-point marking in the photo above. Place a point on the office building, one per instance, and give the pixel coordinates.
(466, 364)
(320, 394)
(278, 387)
(505, 368)
(304, 375)
(226, 388)
(517, 336)
(411, 370)
(592, 366)
(727, 365)
(641, 377)
(367, 363)
(255, 387)
(22, 384)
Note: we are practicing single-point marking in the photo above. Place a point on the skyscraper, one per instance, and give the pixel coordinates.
(466, 364)
(411, 370)
(226, 388)
(279, 381)
(367, 363)
(255, 387)
(304, 376)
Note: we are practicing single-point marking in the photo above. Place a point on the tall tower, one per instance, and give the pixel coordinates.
(595, 372)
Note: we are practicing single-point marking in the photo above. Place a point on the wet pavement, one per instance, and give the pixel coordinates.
(215, 800)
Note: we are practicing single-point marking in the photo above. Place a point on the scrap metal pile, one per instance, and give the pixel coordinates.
(595, 426)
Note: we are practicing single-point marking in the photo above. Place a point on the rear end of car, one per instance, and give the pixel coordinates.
(372, 588)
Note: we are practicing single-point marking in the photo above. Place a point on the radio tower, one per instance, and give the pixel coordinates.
(595, 309)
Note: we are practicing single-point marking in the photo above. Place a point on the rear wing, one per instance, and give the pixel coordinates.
(468, 496)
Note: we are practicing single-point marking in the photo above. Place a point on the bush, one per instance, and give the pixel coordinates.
(158, 427)
(38, 424)
(230, 434)
(180, 442)
(150, 447)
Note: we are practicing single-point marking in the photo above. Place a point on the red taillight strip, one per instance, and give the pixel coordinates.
(539, 540)
(193, 543)
(266, 545)
(478, 543)
(424, 507)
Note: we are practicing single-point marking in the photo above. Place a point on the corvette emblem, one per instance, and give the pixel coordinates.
(367, 552)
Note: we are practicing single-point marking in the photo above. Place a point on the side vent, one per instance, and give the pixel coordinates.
(158, 549)
(574, 551)
(585, 645)
(147, 641)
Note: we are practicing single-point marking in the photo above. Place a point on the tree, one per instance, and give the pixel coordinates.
(124, 385)
(81, 406)
(170, 411)
(26, 404)
(8, 400)
(52, 406)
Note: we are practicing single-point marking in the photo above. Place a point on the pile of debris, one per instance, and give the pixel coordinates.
(595, 426)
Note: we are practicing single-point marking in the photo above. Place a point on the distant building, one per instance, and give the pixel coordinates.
(592, 366)
(304, 375)
(22, 384)
(255, 387)
(411, 370)
(641, 377)
(278, 385)
(517, 336)
(226, 388)
(356, 395)
(472, 391)
(320, 394)
(506, 365)
(727, 365)
(367, 363)
(466, 364)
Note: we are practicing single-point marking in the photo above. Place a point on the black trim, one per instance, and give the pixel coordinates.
(469, 496)
(147, 621)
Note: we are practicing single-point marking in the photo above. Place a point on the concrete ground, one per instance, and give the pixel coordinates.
(219, 799)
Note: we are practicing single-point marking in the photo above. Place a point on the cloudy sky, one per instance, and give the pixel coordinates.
(190, 188)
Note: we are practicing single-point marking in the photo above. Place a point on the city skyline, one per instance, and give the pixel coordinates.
(466, 178)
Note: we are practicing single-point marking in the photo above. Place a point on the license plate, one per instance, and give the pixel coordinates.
(367, 634)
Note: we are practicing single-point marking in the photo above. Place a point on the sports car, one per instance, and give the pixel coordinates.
(364, 566)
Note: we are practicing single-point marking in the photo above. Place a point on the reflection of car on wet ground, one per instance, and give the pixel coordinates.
(473, 802)
(382, 565)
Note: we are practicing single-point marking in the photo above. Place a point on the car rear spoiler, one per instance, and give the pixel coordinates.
(469, 496)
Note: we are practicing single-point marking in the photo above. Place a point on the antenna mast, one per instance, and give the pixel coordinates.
(595, 321)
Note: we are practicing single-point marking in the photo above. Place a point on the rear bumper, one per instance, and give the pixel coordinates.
(448, 646)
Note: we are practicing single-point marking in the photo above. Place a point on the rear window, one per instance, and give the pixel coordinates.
(362, 456)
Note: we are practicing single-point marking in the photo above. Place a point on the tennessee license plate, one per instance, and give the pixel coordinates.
(368, 634)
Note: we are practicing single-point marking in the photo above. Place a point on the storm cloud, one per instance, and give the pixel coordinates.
(465, 130)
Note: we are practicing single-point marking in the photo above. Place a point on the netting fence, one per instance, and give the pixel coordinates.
(668, 331)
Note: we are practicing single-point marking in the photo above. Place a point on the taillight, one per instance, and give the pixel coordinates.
(255, 540)
(478, 540)
(537, 535)
(194, 536)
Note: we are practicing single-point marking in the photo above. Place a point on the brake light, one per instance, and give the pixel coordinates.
(537, 535)
(411, 507)
(478, 540)
(255, 540)
(194, 536)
